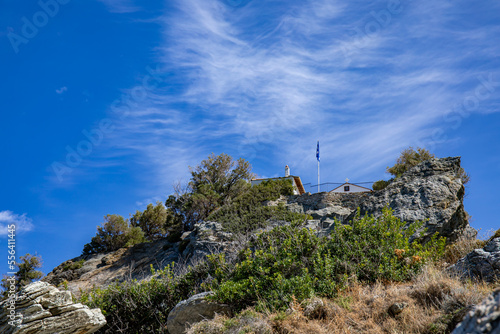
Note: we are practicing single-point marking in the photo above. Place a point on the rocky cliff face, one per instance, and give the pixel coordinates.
(42, 309)
(431, 192)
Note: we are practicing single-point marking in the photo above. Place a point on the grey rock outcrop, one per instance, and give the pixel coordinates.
(481, 264)
(41, 308)
(431, 192)
(324, 207)
(484, 318)
(206, 238)
(193, 310)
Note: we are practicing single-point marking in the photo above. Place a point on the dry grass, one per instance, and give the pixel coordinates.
(460, 248)
(248, 321)
(431, 300)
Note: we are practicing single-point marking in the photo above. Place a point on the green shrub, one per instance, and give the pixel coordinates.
(410, 157)
(74, 265)
(290, 262)
(272, 269)
(113, 234)
(381, 184)
(143, 307)
(286, 264)
(26, 273)
(152, 221)
(379, 248)
(247, 213)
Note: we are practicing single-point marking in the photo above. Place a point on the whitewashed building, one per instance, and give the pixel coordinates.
(298, 187)
(350, 188)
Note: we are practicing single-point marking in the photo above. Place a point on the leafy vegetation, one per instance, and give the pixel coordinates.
(74, 265)
(381, 184)
(215, 182)
(142, 307)
(151, 221)
(293, 262)
(409, 158)
(286, 264)
(113, 234)
(247, 213)
(26, 272)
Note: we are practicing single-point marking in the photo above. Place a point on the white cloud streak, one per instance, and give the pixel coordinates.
(62, 90)
(22, 222)
(120, 6)
(269, 79)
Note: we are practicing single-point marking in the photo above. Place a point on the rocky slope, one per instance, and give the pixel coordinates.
(41, 308)
(431, 191)
(483, 318)
(135, 262)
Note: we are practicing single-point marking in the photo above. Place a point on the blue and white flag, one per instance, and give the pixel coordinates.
(317, 152)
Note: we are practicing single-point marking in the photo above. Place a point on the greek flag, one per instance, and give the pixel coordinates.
(317, 152)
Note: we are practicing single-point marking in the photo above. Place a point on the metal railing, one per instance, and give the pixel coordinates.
(313, 188)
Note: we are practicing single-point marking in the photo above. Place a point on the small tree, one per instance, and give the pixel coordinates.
(27, 272)
(216, 181)
(410, 158)
(220, 177)
(113, 234)
(151, 221)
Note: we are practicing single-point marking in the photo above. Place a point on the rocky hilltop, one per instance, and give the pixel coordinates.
(431, 192)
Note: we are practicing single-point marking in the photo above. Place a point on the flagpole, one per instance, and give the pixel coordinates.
(318, 175)
(317, 157)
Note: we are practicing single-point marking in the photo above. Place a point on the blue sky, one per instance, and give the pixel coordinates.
(104, 104)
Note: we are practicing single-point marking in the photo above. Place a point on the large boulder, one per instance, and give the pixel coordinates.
(431, 192)
(481, 264)
(484, 318)
(40, 308)
(192, 310)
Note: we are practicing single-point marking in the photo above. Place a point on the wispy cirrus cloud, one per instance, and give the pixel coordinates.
(61, 90)
(120, 6)
(267, 86)
(22, 222)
